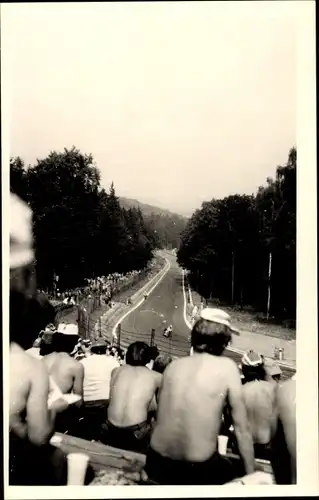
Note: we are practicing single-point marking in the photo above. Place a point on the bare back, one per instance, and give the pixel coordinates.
(65, 371)
(29, 416)
(259, 397)
(191, 402)
(132, 391)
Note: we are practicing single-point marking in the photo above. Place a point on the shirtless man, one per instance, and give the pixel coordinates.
(132, 398)
(31, 422)
(183, 448)
(284, 443)
(68, 375)
(259, 397)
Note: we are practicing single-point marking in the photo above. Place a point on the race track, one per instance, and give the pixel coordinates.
(164, 306)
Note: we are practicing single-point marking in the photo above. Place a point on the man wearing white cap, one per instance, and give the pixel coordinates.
(183, 448)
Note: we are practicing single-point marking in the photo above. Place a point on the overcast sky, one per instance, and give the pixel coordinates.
(177, 102)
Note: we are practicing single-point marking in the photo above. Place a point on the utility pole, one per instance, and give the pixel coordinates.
(152, 336)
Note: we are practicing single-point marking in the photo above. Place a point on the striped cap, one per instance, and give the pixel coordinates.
(251, 358)
(218, 316)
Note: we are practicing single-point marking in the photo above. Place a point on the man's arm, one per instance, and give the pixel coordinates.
(78, 381)
(239, 417)
(39, 419)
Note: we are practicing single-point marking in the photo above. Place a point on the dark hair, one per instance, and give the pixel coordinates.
(252, 373)
(154, 352)
(138, 354)
(28, 316)
(161, 362)
(210, 337)
(99, 349)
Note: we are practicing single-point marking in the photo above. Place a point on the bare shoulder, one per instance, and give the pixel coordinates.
(38, 369)
(78, 366)
(229, 366)
(157, 377)
(286, 391)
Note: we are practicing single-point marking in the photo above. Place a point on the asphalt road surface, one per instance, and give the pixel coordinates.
(164, 306)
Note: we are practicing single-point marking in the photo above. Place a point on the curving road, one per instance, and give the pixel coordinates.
(165, 306)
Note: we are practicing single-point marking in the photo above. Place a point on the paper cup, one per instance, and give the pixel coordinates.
(77, 466)
(222, 444)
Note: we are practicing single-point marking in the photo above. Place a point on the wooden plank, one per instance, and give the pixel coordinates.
(103, 456)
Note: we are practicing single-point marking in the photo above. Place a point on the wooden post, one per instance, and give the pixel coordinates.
(152, 336)
(100, 326)
(269, 288)
(119, 336)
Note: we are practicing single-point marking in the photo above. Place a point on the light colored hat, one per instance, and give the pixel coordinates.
(21, 240)
(251, 358)
(68, 329)
(218, 316)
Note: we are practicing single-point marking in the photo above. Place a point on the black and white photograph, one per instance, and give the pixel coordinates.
(157, 198)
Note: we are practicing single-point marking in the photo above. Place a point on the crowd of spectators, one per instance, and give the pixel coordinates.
(174, 411)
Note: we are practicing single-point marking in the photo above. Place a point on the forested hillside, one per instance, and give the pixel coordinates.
(165, 225)
(242, 249)
(80, 229)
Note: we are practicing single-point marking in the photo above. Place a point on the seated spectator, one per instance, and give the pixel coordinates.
(96, 388)
(273, 371)
(31, 424)
(259, 397)
(161, 362)
(67, 374)
(184, 443)
(132, 394)
(283, 459)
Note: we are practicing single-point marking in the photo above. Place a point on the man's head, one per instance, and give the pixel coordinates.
(99, 347)
(161, 362)
(252, 366)
(138, 354)
(64, 343)
(28, 316)
(273, 370)
(212, 332)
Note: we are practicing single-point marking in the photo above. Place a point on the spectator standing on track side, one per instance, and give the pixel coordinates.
(132, 395)
(96, 388)
(184, 448)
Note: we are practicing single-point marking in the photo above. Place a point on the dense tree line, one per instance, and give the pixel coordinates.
(80, 230)
(242, 249)
(167, 228)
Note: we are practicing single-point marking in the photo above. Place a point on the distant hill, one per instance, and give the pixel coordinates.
(165, 225)
(147, 209)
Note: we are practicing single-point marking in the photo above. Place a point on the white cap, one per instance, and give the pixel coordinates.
(217, 316)
(21, 240)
